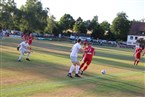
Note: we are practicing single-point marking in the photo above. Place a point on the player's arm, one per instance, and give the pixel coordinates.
(18, 47)
(134, 52)
(81, 50)
(94, 53)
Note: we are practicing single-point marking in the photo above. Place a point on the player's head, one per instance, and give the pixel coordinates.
(79, 41)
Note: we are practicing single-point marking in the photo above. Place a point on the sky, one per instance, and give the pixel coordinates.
(106, 10)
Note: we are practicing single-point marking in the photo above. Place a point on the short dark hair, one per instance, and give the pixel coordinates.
(79, 40)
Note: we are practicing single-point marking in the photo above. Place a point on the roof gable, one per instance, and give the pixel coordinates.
(137, 28)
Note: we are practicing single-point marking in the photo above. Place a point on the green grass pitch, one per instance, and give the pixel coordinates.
(45, 74)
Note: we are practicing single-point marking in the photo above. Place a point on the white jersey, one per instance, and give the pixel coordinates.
(75, 49)
(23, 46)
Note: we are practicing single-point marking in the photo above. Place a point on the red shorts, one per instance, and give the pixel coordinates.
(87, 60)
(30, 42)
(138, 56)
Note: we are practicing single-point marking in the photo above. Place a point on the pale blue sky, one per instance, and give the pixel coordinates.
(87, 9)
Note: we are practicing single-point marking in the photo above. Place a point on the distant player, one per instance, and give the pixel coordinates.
(87, 59)
(24, 36)
(74, 58)
(30, 39)
(23, 48)
(137, 54)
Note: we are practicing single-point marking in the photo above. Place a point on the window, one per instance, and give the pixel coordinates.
(131, 37)
(136, 38)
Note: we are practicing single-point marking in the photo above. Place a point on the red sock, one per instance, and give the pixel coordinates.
(82, 65)
(85, 67)
(137, 62)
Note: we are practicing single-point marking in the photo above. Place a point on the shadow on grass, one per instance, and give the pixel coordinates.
(119, 64)
(102, 61)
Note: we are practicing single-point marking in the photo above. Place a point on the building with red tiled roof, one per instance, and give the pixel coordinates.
(136, 31)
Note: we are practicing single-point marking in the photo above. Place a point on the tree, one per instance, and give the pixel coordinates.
(57, 29)
(34, 17)
(107, 34)
(80, 26)
(105, 26)
(50, 24)
(66, 22)
(120, 26)
(6, 13)
(76, 26)
(97, 32)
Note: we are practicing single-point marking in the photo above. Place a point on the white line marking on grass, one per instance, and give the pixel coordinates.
(37, 87)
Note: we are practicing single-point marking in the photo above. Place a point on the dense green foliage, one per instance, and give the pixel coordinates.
(120, 26)
(34, 18)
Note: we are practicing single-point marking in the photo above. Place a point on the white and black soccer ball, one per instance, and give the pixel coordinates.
(103, 71)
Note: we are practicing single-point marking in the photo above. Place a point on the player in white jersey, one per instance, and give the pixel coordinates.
(73, 56)
(23, 48)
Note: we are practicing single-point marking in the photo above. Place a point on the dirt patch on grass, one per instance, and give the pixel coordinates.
(69, 91)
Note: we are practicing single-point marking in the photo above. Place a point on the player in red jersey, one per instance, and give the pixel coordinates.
(137, 54)
(87, 59)
(30, 39)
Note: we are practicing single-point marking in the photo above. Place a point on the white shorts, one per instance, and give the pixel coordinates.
(23, 51)
(74, 59)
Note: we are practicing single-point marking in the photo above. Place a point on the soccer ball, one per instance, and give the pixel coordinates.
(103, 71)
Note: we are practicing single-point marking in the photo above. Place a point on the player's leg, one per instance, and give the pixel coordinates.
(135, 61)
(73, 60)
(21, 56)
(77, 69)
(28, 55)
(71, 69)
(30, 43)
(87, 64)
(83, 64)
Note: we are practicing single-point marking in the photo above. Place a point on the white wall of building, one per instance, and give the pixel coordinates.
(131, 39)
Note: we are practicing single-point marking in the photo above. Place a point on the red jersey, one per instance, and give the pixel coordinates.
(89, 52)
(30, 38)
(138, 52)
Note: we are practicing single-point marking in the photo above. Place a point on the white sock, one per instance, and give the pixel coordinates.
(71, 68)
(21, 56)
(77, 69)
